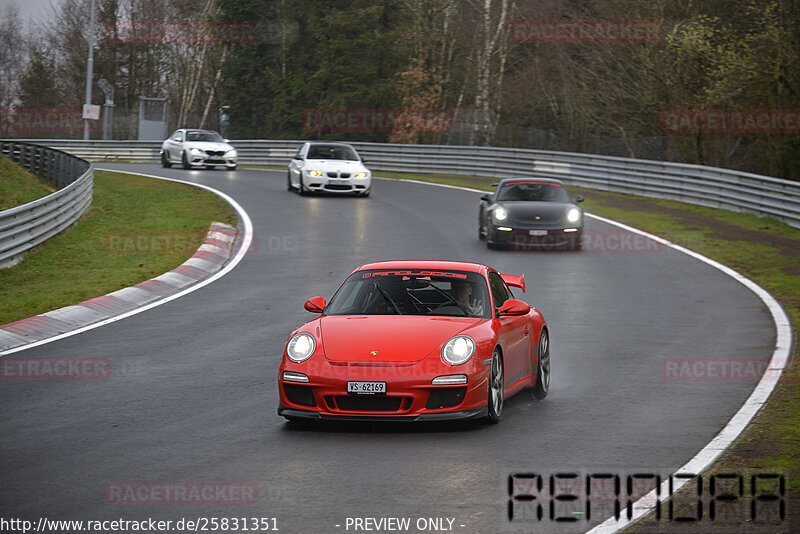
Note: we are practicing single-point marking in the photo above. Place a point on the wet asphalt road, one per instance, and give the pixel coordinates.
(194, 393)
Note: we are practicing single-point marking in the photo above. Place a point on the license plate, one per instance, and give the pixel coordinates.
(538, 232)
(366, 388)
(337, 182)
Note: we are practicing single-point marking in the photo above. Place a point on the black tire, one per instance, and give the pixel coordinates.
(543, 367)
(301, 188)
(289, 181)
(210, 167)
(495, 398)
(233, 168)
(184, 161)
(164, 161)
(366, 193)
(481, 234)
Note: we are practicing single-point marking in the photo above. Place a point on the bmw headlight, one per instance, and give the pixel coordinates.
(573, 215)
(458, 350)
(500, 213)
(361, 175)
(230, 153)
(196, 152)
(315, 173)
(301, 347)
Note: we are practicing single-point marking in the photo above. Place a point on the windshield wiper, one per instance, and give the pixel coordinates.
(388, 298)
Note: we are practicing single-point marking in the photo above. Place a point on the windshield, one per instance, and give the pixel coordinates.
(211, 137)
(412, 292)
(342, 152)
(532, 191)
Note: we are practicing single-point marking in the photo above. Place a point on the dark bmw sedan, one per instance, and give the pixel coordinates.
(531, 213)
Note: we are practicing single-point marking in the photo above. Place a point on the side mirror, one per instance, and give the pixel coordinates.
(486, 198)
(579, 198)
(513, 307)
(495, 184)
(297, 156)
(363, 160)
(316, 304)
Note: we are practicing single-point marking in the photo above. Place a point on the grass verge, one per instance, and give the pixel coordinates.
(768, 252)
(18, 186)
(137, 228)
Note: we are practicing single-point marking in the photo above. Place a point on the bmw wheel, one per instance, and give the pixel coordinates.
(289, 181)
(543, 368)
(496, 386)
(185, 162)
(165, 162)
(301, 187)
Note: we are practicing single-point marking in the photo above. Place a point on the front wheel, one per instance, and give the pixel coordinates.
(543, 368)
(165, 162)
(231, 167)
(301, 187)
(289, 181)
(496, 386)
(185, 161)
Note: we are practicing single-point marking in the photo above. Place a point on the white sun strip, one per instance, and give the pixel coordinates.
(703, 459)
(245, 246)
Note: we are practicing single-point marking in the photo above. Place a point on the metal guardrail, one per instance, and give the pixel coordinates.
(695, 184)
(23, 227)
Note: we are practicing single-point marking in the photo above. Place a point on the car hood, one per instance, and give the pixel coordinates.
(546, 211)
(405, 338)
(207, 145)
(334, 165)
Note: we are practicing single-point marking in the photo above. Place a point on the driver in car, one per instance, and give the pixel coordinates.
(461, 291)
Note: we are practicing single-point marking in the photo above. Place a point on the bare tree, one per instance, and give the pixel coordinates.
(12, 53)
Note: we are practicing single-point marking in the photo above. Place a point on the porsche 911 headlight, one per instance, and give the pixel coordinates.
(315, 173)
(500, 214)
(573, 215)
(458, 350)
(301, 347)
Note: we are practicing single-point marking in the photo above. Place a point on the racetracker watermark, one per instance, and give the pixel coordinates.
(15, 121)
(598, 241)
(731, 121)
(178, 493)
(586, 31)
(173, 243)
(377, 120)
(159, 32)
(720, 370)
(63, 368)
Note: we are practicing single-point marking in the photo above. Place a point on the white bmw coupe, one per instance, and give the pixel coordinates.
(328, 167)
(198, 147)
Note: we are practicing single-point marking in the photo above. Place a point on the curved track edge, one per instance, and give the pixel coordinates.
(214, 259)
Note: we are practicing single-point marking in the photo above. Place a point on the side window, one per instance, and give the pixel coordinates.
(177, 136)
(499, 290)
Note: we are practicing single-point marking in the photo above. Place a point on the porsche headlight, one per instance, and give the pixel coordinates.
(500, 213)
(458, 350)
(573, 215)
(315, 173)
(301, 347)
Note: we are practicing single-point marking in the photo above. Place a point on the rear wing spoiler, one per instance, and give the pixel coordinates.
(514, 281)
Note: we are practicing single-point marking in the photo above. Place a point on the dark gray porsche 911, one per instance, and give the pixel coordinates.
(531, 213)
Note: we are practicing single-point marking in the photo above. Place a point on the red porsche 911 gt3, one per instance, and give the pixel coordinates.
(415, 341)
